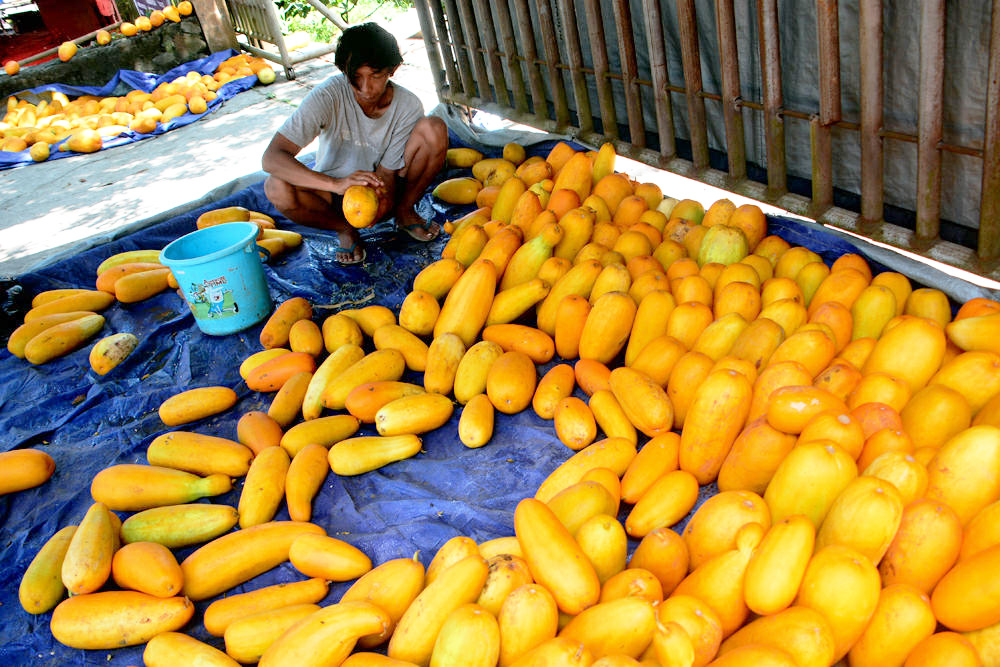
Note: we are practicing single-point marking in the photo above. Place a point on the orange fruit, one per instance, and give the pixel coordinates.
(360, 206)
(12, 67)
(103, 37)
(172, 13)
(156, 18)
(128, 29)
(66, 51)
(143, 23)
(185, 8)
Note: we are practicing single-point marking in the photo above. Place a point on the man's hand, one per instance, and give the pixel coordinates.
(369, 178)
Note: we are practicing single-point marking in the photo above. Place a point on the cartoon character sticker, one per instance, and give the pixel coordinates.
(211, 299)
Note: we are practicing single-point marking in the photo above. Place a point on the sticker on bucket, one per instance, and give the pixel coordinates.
(213, 299)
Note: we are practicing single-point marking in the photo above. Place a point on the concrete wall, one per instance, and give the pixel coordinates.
(156, 52)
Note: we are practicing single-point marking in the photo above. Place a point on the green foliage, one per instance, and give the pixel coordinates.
(316, 25)
(351, 11)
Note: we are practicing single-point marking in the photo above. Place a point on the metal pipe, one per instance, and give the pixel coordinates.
(870, 38)
(774, 124)
(729, 63)
(989, 204)
(661, 82)
(930, 120)
(691, 59)
(821, 149)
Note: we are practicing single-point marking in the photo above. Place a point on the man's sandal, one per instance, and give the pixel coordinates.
(425, 225)
(350, 251)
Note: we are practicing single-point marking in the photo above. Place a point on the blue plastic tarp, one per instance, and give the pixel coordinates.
(120, 84)
(87, 422)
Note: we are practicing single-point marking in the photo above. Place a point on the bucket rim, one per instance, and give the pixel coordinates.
(251, 234)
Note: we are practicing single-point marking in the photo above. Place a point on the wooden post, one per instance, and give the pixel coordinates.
(216, 24)
(488, 31)
(774, 124)
(510, 55)
(870, 30)
(448, 56)
(461, 54)
(658, 65)
(930, 120)
(730, 66)
(584, 116)
(828, 32)
(430, 43)
(599, 56)
(989, 205)
(538, 104)
(691, 58)
(552, 60)
(630, 72)
(471, 30)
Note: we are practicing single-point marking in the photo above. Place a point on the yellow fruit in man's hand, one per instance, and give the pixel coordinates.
(128, 29)
(103, 37)
(143, 23)
(360, 206)
(66, 51)
(39, 151)
(12, 67)
(185, 8)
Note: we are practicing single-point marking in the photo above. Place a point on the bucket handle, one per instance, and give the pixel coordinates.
(266, 254)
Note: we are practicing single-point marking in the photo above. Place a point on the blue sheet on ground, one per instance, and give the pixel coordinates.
(122, 83)
(87, 422)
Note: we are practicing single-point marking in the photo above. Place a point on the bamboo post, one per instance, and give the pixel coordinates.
(584, 116)
(510, 54)
(552, 61)
(471, 30)
(730, 67)
(599, 56)
(538, 104)
(630, 72)
(488, 31)
(430, 43)
(658, 67)
(870, 37)
(691, 59)
(448, 57)
(774, 124)
(458, 44)
(828, 32)
(931, 120)
(989, 204)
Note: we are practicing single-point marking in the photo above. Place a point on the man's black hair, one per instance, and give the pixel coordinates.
(366, 44)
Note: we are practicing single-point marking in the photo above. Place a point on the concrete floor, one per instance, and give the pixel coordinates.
(53, 207)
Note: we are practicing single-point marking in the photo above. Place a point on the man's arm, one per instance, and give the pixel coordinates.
(279, 161)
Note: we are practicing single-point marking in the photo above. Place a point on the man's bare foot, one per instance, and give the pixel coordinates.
(418, 228)
(351, 250)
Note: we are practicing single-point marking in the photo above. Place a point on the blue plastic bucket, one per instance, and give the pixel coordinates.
(220, 273)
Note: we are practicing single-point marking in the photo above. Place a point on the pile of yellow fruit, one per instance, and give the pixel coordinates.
(850, 423)
(242, 65)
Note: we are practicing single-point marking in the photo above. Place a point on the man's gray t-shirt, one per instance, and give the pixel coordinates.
(349, 140)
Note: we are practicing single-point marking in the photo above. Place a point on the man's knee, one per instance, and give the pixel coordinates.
(280, 193)
(428, 144)
(436, 132)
